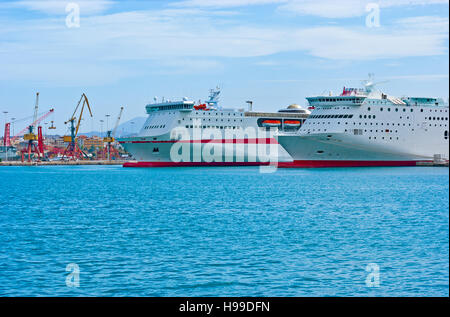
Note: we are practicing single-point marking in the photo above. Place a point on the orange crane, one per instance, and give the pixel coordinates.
(38, 120)
(31, 137)
(73, 150)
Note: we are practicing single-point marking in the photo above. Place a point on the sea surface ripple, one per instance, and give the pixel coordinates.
(224, 231)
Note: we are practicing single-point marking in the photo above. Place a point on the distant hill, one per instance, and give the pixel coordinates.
(128, 128)
(132, 126)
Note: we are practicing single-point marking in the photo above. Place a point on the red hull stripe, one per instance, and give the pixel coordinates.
(231, 141)
(338, 163)
(295, 164)
(190, 164)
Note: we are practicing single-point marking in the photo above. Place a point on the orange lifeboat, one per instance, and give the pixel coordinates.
(201, 107)
(271, 123)
(292, 123)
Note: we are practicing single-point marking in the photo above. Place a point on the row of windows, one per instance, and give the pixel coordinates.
(367, 116)
(155, 126)
(404, 109)
(354, 100)
(217, 113)
(369, 123)
(381, 109)
(211, 127)
(437, 118)
(390, 138)
(171, 107)
(360, 132)
(229, 120)
(330, 116)
(396, 109)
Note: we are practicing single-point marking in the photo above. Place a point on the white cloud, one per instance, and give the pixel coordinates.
(322, 8)
(224, 3)
(327, 8)
(63, 74)
(349, 44)
(58, 7)
(181, 42)
(424, 23)
(421, 77)
(345, 8)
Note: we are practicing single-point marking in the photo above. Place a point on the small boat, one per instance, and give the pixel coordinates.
(292, 123)
(201, 107)
(271, 123)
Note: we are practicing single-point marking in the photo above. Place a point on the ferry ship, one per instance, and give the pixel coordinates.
(366, 127)
(183, 133)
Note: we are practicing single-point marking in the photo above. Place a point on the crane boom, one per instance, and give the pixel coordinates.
(35, 122)
(117, 122)
(85, 103)
(36, 107)
(73, 150)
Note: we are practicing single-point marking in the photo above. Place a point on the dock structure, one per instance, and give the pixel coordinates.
(135, 163)
(61, 163)
(435, 163)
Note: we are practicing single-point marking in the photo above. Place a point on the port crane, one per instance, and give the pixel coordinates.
(31, 137)
(31, 146)
(73, 150)
(6, 137)
(109, 139)
(38, 120)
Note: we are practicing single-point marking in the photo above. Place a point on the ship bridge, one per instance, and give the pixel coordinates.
(336, 101)
(423, 101)
(184, 105)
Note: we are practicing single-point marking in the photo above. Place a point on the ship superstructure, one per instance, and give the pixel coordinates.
(183, 133)
(366, 127)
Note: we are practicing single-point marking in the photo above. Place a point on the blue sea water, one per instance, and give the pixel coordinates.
(224, 231)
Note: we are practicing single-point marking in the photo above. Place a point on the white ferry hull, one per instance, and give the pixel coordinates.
(238, 152)
(369, 128)
(343, 150)
(182, 134)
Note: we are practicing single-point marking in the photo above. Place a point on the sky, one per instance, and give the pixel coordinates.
(273, 52)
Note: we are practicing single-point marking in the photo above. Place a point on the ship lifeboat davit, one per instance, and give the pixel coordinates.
(271, 123)
(292, 123)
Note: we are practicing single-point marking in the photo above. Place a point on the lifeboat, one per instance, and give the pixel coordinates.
(292, 123)
(271, 123)
(201, 107)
